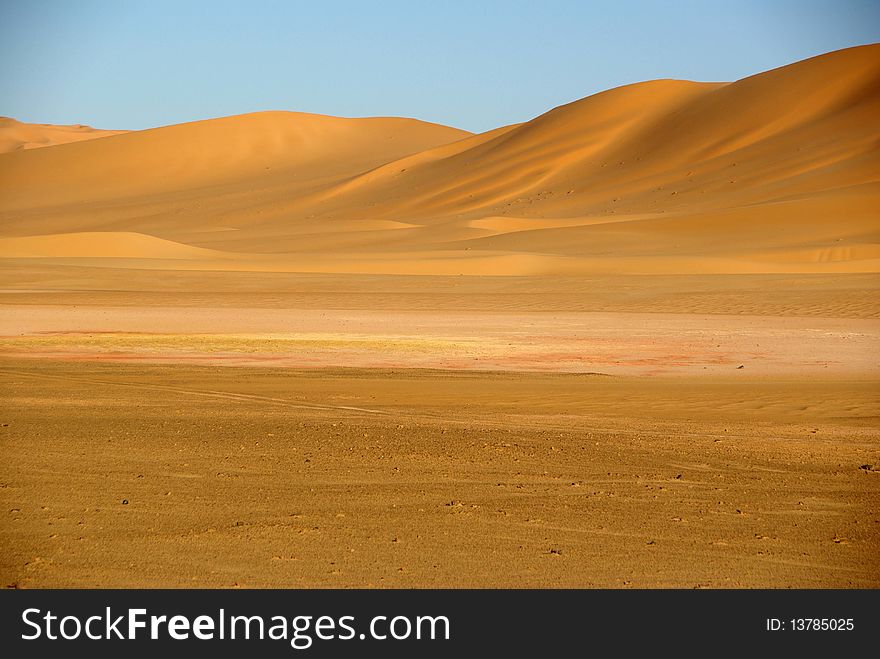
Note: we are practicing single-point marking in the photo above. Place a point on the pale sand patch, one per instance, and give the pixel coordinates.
(613, 343)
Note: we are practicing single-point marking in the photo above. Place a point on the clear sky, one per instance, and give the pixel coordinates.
(474, 64)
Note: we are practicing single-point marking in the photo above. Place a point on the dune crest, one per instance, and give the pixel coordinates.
(19, 136)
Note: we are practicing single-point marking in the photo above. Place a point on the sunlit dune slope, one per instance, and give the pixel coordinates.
(100, 244)
(254, 149)
(779, 172)
(18, 136)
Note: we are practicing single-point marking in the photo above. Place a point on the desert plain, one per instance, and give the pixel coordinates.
(634, 342)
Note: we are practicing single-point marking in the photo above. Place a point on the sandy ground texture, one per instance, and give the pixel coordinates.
(197, 476)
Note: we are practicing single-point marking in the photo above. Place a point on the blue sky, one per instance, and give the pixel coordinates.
(475, 64)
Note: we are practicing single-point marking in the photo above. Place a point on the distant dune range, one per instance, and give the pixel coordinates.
(776, 173)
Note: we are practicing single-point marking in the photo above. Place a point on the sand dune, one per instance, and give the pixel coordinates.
(268, 147)
(774, 173)
(18, 136)
(100, 244)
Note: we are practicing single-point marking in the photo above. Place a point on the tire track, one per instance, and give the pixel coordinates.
(208, 393)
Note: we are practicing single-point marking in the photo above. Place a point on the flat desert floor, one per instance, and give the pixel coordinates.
(389, 444)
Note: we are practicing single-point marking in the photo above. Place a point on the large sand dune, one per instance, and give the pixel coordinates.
(774, 173)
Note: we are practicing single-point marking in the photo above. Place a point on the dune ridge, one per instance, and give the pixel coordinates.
(100, 244)
(778, 172)
(18, 136)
